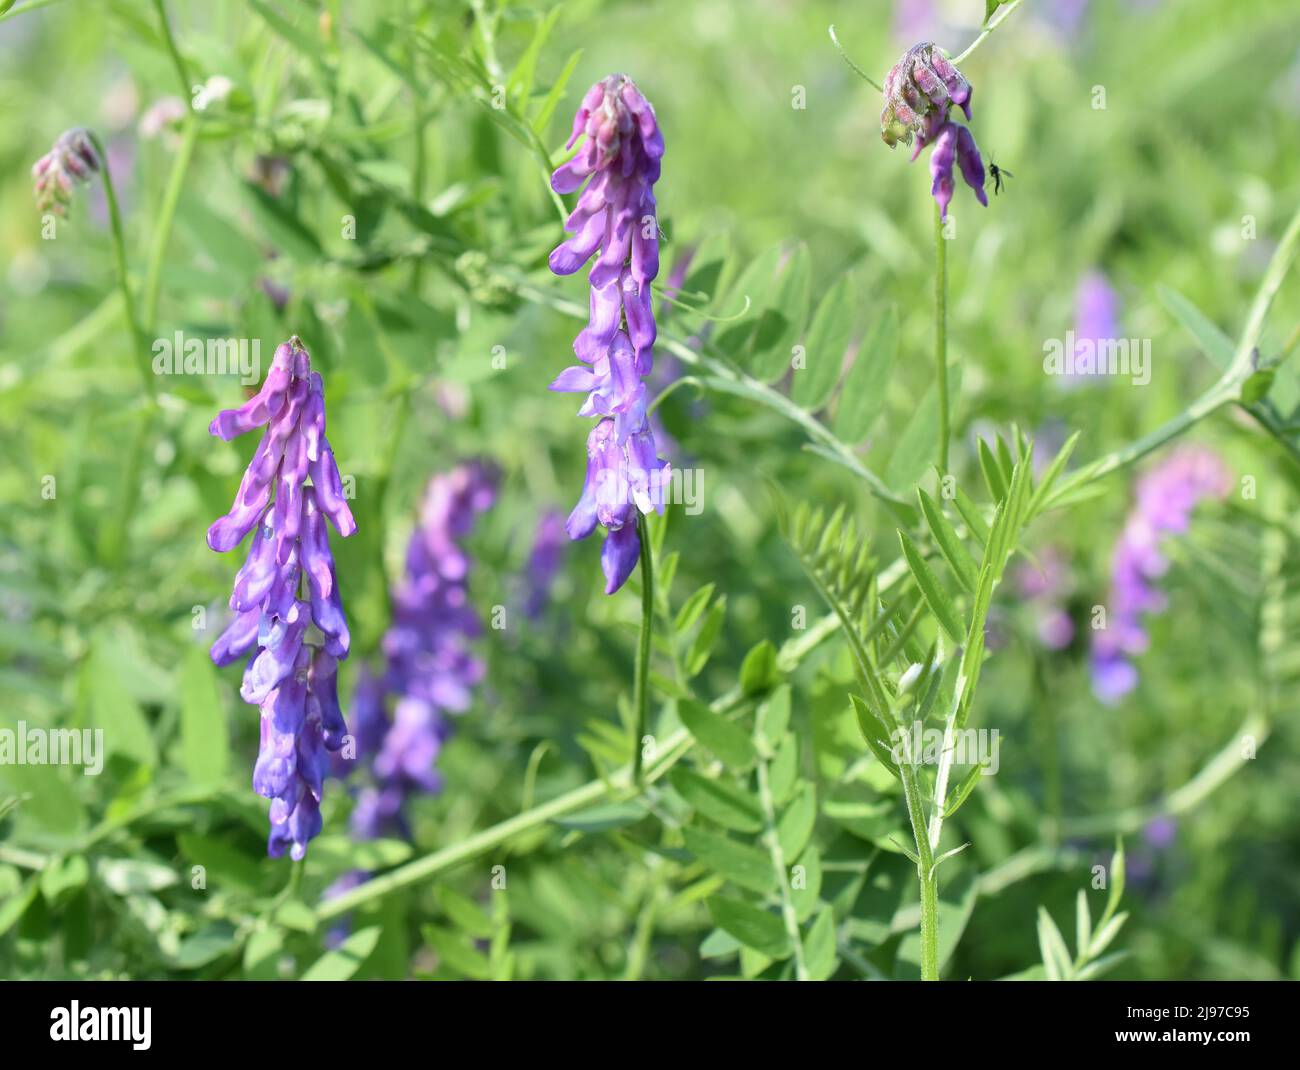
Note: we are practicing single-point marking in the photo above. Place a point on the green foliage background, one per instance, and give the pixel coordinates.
(383, 113)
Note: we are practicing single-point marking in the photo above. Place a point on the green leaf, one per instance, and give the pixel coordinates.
(205, 739)
(15, 906)
(466, 914)
(603, 817)
(774, 716)
(1043, 491)
(873, 732)
(1213, 342)
(741, 864)
(755, 928)
(914, 445)
(825, 345)
(698, 655)
(758, 671)
(794, 826)
(719, 800)
(456, 952)
(819, 947)
(784, 770)
(131, 876)
(807, 897)
(963, 791)
(556, 93)
(949, 542)
(727, 740)
(262, 955)
(112, 707)
(62, 877)
(346, 959)
(863, 395)
(692, 608)
(781, 324)
(991, 6)
(1082, 923)
(992, 472)
(1051, 946)
(935, 596)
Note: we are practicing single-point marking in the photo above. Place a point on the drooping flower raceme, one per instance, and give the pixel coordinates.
(1166, 497)
(70, 162)
(615, 217)
(919, 93)
(429, 666)
(292, 670)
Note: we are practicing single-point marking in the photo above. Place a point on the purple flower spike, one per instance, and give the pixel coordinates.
(71, 162)
(1166, 497)
(919, 93)
(615, 222)
(290, 674)
(429, 667)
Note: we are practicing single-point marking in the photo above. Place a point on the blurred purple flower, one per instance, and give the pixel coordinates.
(71, 161)
(1043, 585)
(292, 680)
(920, 90)
(1096, 313)
(615, 216)
(1166, 497)
(914, 19)
(162, 120)
(429, 668)
(544, 562)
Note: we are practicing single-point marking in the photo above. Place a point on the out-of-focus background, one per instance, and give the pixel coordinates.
(352, 182)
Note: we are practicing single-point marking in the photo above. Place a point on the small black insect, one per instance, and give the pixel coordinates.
(998, 174)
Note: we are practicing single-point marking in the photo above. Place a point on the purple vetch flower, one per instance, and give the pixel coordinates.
(1096, 316)
(72, 161)
(286, 588)
(615, 217)
(429, 668)
(543, 562)
(920, 90)
(1166, 497)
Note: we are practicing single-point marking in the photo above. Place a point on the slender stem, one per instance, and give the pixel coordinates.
(187, 88)
(788, 915)
(138, 342)
(1007, 7)
(166, 214)
(925, 870)
(856, 69)
(941, 334)
(642, 678)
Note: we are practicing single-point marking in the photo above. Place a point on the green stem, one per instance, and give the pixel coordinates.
(187, 88)
(166, 214)
(642, 678)
(941, 334)
(119, 261)
(1007, 7)
(788, 915)
(925, 871)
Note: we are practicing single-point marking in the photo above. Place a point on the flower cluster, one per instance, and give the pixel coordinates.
(1166, 498)
(615, 215)
(920, 91)
(292, 679)
(71, 161)
(429, 667)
